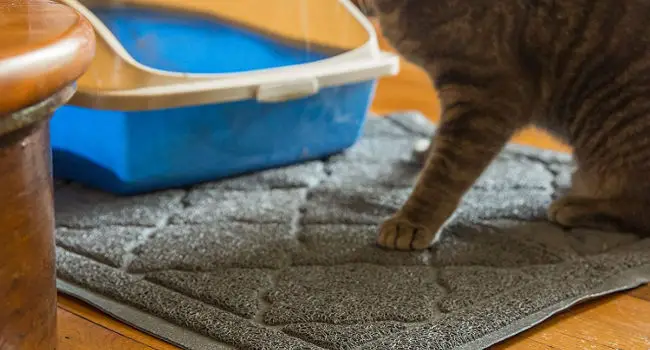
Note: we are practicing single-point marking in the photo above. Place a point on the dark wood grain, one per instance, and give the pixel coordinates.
(44, 45)
(642, 293)
(27, 284)
(27, 256)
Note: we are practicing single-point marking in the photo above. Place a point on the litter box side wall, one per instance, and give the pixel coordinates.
(116, 81)
(89, 146)
(182, 146)
(148, 133)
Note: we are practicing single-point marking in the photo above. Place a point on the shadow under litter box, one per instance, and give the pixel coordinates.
(285, 258)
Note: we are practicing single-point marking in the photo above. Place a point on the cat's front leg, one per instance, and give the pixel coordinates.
(469, 137)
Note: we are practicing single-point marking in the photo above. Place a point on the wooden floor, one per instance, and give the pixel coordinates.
(616, 322)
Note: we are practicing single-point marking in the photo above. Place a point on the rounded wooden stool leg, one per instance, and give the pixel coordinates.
(27, 258)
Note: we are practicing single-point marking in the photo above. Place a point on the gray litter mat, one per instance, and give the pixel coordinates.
(285, 258)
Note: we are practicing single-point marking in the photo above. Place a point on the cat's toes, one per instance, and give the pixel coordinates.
(400, 234)
(581, 212)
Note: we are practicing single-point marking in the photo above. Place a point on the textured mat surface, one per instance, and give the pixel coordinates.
(285, 259)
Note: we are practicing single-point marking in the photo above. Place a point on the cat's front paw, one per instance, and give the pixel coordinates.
(399, 233)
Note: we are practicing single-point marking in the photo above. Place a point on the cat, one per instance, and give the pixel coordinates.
(579, 69)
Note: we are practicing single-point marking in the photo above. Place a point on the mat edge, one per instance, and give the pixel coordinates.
(615, 284)
(188, 339)
(145, 322)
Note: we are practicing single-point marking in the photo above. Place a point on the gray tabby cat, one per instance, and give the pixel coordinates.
(579, 69)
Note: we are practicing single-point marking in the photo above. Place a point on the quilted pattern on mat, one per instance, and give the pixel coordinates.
(285, 258)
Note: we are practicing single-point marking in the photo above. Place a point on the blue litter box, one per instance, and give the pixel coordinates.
(177, 99)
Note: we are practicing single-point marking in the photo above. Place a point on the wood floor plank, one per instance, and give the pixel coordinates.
(77, 333)
(522, 344)
(615, 322)
(626, 314)
(93, 315)
(621, 322)
(642, 293)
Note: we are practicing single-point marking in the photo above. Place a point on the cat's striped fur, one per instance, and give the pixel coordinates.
(577, 68)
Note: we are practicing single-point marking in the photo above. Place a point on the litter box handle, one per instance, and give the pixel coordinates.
(342, 73)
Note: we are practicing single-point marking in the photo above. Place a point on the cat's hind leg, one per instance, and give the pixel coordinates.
(610, 204)
(613, 214)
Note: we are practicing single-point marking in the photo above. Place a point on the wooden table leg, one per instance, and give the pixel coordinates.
(27, 258)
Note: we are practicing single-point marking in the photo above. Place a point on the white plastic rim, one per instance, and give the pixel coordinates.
(364, 63)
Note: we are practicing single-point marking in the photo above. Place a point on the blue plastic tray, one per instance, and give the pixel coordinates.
(129, 152)
(192, 44)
